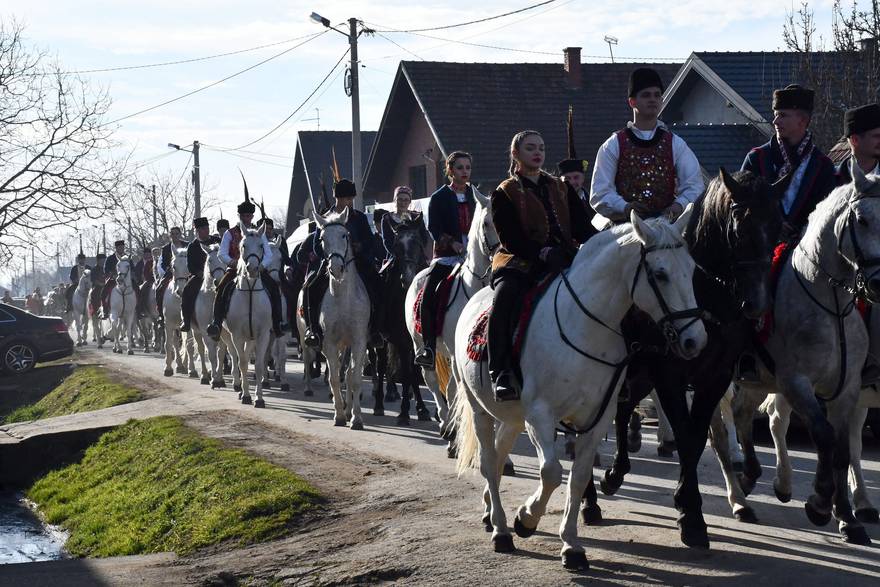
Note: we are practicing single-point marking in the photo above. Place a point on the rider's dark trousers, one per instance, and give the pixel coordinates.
(68, 295)
(188, 298)
(160, 293)
(510, 286)
(428, 309)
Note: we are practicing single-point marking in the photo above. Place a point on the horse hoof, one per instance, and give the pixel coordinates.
(746, 515)
(205, 380)
(509, 470)
(168, 372)
(378, 412)
(339, 422)
(236, 387)
(503, 543)
(357, 425)
(783, 497)
(610, 482)
(451, 452)
(267, 384)
(855, 535)
(285, 387)
(487, 523)
(193, 374)
(403, 420)
(260, 403)
(218, 384)
(521, 530)
(747, 484)
(575, 560)
(591, 514)
(666, 449)
(423, 414)
(246, 400)
(240, 394)
(634, 443)
(867, 515)
(816, 516)
(694, 533)
(130, 352)
(308, 393)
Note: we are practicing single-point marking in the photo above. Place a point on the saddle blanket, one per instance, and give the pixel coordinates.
(443, 291)
(478, 340)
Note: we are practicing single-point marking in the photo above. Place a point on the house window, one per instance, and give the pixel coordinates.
(418, 181)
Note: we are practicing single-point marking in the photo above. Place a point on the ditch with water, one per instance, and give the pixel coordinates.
(23, 537)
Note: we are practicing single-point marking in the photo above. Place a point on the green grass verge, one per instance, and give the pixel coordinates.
(156, 485)
(88, 388)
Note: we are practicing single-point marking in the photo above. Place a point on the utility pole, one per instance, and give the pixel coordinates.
(155, 229)
(197, 184)
(34, 266)
(356, 168)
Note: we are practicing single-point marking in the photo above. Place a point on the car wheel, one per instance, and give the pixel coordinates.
(19, 358)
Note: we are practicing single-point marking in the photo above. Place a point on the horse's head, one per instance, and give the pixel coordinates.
(123, 271)
(410, 239)
(738, 227)
(214, 266)
(179, 268)
(482, 233)
(85, 280)
(336, 242)
(663, 285)
(276, 268)
(251, 248)
(859, 236)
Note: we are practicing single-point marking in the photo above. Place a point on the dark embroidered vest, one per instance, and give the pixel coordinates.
(646, 169)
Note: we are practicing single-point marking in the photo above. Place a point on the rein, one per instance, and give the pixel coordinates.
(343, 257)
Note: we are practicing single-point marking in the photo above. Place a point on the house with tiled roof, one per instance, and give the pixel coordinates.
(312, 178)
(435, 108)
(720, 102)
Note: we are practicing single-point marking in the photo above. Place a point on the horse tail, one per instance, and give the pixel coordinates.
(768, 405)
(468, 448)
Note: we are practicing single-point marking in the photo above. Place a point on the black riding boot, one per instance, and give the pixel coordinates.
(312, 297)
(428, 315)
(278, 325)
(371, 281)
(188, 301)
(510, 285)
(160, 298)
(221, 303)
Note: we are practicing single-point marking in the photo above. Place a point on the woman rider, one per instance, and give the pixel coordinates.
(390, 220)
(449, 219)
(540, 222)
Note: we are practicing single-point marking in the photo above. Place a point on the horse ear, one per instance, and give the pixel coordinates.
(262, 230)
(641, 230)
(343, 218)
(731, 184)
(682, 222)
(322, 222)
(484, 201)
(860, 180)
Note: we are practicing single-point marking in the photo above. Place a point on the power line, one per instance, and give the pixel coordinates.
(393, 42)
(185, 168)
(298, 108)
(233, 154)
(192, 60)
(461, 24)
(211, 85)
(219, 148)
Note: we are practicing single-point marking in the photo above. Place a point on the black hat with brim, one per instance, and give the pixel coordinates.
(222, 223)
(571, 165)
(119, 244)
(344, 188)
(200, 222)
(862, 119)
(642, 78)
(793, 97)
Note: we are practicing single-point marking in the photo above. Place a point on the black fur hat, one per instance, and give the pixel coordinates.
(644, 77)
(344, 188)
(793, 97)
(861, 119)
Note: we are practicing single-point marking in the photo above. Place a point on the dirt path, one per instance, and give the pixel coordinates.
(396, 511)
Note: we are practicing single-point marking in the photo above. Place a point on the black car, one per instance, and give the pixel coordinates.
(26, 340)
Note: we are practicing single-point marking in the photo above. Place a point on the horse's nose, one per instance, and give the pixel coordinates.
(689, 345)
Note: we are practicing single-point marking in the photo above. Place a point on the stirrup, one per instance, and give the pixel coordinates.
(506, 387)
(426, 358)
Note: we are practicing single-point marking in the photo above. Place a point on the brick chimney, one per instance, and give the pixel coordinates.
(573, 67)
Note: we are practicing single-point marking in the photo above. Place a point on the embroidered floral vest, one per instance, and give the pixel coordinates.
(645, 169)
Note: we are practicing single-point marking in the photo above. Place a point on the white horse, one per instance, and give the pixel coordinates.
(171, 310)
(203, 314)
(80, 312)
(123, 301)
(249, 321)
(819, 345)
(345, 318)
(472, 275)
(573, 362)
(278, 344)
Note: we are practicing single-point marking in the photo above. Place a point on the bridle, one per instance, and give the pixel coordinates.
(343, 257)
(490, 251)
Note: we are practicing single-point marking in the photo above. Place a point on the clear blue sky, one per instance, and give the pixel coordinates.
(88, 34)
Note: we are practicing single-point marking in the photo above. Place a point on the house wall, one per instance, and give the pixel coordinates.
(418, 142)
(700, 103)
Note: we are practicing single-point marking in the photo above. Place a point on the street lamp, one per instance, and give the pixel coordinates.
(352, 35)
(196, 179)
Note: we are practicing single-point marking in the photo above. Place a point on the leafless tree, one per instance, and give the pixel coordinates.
(56, 165)
(844, 75)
